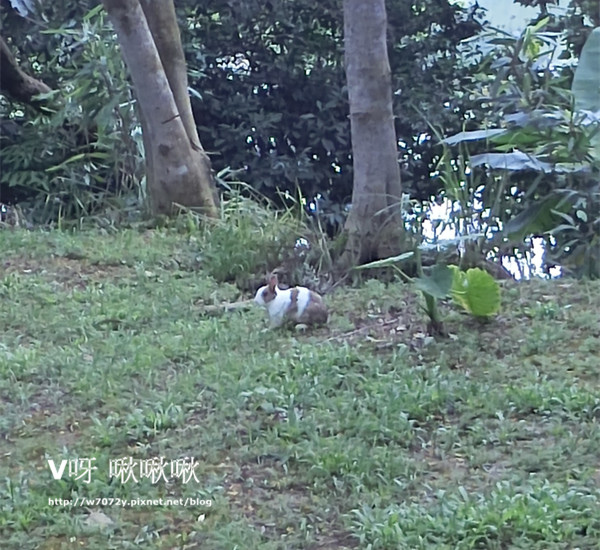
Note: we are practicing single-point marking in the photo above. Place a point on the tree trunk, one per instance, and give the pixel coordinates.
(165, 31)
(374, 227)
(178, 170)
(16, 83)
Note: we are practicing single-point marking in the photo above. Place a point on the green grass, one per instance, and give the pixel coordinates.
(363, 434)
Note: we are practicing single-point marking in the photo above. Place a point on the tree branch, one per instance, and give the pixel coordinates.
(17, 84)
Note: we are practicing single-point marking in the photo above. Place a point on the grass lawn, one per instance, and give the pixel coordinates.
(363, 434)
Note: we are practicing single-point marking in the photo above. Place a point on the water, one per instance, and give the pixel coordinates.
(521, 265)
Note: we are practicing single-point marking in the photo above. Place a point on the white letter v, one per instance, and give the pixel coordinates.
(55, 474)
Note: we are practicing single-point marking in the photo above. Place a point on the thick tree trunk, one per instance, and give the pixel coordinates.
(374, 226)
(165, 31)
(17, 84)
(178, 170)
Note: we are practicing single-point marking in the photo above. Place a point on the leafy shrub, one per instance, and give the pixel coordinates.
(252, 239)
(539, 161)
(75, 158)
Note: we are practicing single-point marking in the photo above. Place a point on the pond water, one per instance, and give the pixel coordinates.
(520, 265)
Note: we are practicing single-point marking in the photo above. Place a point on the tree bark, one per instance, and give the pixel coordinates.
(178, 170)
(165, 31)
(17, 84)
(374, 227)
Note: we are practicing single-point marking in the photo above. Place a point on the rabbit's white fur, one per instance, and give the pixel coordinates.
(279, 306)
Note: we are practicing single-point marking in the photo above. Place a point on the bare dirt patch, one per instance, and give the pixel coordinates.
(388, 327)
(71, 272)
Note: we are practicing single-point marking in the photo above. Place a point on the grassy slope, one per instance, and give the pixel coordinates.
(363, 433)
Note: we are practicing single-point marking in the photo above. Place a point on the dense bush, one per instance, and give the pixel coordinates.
(83, 150)
(270, 90)
(538, 151)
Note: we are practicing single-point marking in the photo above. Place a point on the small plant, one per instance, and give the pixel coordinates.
(475, 290)
(434, 287)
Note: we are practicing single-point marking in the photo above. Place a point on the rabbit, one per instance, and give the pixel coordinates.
(299, 304)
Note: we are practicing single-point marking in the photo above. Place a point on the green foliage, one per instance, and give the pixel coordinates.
(585, 82)
(437, 283)
(538, 218)
(471, 218)
(539, 129)
(82, 153)
(435, 287)
(540, 170)
(476, 291)
(248, 241)
(586, 91)
(270, 91)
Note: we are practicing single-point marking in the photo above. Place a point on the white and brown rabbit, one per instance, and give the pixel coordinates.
(298, 305)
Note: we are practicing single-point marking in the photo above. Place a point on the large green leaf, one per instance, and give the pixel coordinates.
(476, 291)
(517, 160)
(511, 161)
(536, 219)
(438, 283)
(386, 262)
(474, 135)
(586, 84)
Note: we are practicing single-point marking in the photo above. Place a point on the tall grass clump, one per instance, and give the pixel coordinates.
(250, 239)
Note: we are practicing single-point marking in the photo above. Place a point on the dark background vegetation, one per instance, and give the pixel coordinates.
(268, 90)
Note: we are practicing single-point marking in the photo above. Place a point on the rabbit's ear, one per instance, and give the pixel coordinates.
(273, 282)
